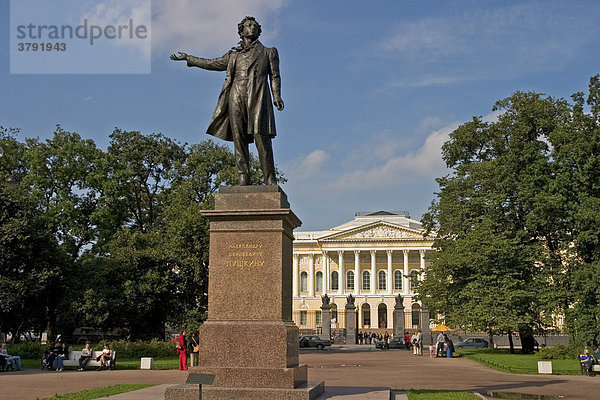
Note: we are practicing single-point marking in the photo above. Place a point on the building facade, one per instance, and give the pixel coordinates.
(375, 257)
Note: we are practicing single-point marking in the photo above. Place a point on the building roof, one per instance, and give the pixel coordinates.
(364, 221)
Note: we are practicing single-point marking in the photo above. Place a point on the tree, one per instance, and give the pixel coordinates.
(497, 218)
(31, 265)
(126, 244)
(58, 176)
(577, 167)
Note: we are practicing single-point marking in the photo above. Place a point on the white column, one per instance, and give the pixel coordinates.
(296, 277)
(311, 275)
(406, 278)
(325, 273)
(341, 273)
(356, 271)
(390, 277)
(373, 271)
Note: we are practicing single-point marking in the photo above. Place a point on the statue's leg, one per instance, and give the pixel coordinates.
(238, 120)
(265, 154)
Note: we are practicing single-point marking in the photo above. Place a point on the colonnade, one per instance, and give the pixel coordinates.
(342, 272)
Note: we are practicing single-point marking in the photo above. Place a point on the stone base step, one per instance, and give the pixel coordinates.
(307, 391)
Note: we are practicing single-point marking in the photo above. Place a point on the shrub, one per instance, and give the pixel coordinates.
(124, 349)
(559, 352)
(29, 350)
(153, 348)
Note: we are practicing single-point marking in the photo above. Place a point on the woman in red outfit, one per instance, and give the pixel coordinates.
(182, 351)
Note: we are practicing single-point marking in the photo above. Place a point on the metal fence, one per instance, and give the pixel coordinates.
(310, 322)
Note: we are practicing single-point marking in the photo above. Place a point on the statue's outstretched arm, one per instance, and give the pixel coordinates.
(214, 64)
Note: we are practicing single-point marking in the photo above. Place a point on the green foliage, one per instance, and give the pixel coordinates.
(31, 262)
(559, 352)
(28, 350)
(107, 239)
(517, 220)
(137, 349)
(439, 394)
(97, 393)
(125, 349)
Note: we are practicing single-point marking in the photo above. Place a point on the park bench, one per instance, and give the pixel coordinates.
(73, 360)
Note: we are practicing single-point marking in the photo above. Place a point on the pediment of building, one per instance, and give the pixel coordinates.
(376, 231)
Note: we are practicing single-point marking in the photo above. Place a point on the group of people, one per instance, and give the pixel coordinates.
(369, 338)
(445, 346)
(11, 361)
(184, 348)
(415, 342)
(60, 352)
(588, 360)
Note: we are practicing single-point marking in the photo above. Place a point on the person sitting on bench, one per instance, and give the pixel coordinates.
(587, 361)
(105, 358)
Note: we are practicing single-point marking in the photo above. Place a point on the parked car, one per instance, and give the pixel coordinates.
(82, 334)
(313, 341)
(395, 343)
(472, 342)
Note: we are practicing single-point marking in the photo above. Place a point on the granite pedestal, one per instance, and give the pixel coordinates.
(249, 342)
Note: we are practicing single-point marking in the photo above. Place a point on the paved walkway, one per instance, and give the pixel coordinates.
(340, 368)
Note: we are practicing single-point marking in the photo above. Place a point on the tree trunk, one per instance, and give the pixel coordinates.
(490, 340)
(527, 340)
(510, 342)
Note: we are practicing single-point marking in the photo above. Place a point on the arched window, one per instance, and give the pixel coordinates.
(382, 285)
(334, 281)
(397, 280)
(366, 280)
(304, 281)
(350, 280)
(414, 279)
(319, 281)
(382, 316)
(366, 308)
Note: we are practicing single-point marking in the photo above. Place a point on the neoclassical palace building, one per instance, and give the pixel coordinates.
(374, 257)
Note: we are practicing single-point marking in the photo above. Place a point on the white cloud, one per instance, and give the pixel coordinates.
(382, 145)
(475, 44)
(429, 38)
(423, 164)
(115, 12)
(306, 166)
(426, 162)
(207, 27)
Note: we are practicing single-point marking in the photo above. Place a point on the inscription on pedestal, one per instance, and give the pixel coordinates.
(245, 255)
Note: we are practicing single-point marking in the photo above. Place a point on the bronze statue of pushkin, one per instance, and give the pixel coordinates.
(244, 112)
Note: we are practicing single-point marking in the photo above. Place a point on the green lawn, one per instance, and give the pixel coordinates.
(502, 360)
(439, 394)
(122, 363)
(98, 392)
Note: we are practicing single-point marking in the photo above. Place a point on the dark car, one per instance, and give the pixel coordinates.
(395, 343)
(313, 341)
(473, 343)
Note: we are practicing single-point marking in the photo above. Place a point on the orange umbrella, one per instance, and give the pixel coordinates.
(441, 328)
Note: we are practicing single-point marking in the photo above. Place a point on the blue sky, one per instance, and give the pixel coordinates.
(371, 89)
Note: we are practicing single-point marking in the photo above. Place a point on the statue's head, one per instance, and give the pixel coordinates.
(247, 21)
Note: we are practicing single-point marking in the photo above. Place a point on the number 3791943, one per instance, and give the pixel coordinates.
(44, 46)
